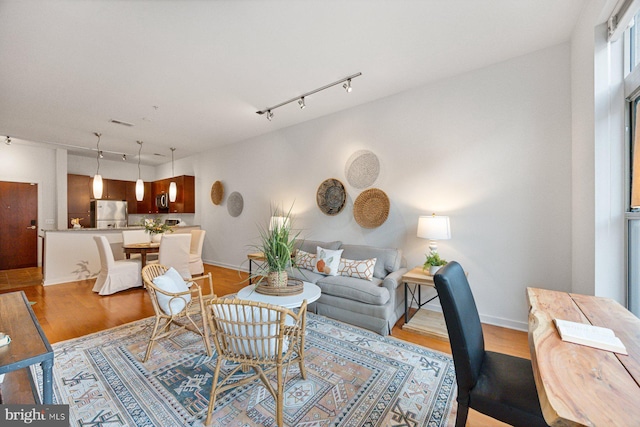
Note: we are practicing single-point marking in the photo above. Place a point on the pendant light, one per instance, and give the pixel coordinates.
(139, 182)
(97, 178)
(173, 187)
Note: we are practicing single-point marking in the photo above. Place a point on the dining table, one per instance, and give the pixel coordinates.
(141, 248)
(579, 385)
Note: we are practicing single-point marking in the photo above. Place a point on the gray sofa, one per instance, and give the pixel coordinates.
(375, 305)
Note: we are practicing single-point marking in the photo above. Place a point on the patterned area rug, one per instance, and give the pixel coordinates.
(354, 378)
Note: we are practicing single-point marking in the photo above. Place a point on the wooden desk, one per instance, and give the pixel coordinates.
(141, 248)
(579, 385)
(29, 345)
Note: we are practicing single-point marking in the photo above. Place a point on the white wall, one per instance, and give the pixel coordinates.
(110, 169)
(491, 149)
(598, 150)
(27, 163)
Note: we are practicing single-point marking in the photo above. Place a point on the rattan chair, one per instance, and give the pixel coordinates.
(257, 336)
(176, 308)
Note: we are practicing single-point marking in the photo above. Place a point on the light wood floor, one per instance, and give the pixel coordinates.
(71, 310)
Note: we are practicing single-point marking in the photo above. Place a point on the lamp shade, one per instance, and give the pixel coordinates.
(434, 227)
(97, 186)
(173, 191)
(139, 190)
(278, 222)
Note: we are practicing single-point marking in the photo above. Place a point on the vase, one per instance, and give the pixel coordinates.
(156, 237)
(433, 269)
(277, 279)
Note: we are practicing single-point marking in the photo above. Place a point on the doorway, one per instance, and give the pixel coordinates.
(18, 225)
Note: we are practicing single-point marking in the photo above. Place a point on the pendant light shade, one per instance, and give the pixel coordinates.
(97, 178)
(173, 187)
(139, 190)
(139, 182)
(173, 191)
(97, 187)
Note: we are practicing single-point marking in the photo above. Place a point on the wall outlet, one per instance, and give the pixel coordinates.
(49, 221)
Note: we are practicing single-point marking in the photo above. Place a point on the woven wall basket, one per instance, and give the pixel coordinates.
(331, 196)
(371, 208)
(217, 193)
(362, 169)
(235, 204)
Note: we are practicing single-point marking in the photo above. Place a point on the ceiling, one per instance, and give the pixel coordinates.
(191, 74)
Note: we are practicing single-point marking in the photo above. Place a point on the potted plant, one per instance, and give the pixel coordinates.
(277, 245)
(155, 227)
(433, 263)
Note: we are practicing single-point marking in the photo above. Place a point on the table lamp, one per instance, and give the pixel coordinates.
(434, 228)
(278, 222)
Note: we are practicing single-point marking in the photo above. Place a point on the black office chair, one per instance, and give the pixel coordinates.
(495, 384)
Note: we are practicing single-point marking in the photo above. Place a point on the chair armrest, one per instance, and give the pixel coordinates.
(394, 279)
(207, 292)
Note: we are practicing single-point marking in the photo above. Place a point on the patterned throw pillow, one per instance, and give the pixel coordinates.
(361, 269)
(327, 261)
(305, 260)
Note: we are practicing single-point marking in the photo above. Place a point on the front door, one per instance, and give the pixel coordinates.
(18, 225)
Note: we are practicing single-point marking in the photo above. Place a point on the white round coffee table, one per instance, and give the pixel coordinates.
(310, 293)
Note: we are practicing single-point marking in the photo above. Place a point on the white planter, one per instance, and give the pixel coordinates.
(433, 269)
(155, 238)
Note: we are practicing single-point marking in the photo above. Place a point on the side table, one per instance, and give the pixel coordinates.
(255, 258)
(423, 321)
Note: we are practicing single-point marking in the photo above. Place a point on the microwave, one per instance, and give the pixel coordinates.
(162, 201)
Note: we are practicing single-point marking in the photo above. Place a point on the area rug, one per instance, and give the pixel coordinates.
(355, 378)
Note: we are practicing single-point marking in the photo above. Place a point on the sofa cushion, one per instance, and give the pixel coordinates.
(361, 269)
(368, 292)
(305, 275)
(327, 261)
(305, 260)
(311, 245)
(388, 259)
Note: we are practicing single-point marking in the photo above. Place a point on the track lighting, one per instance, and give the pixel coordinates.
(139, 182)
(100, 154)
(124, 157)
(300, 99)
(8, 140)
(97, 178)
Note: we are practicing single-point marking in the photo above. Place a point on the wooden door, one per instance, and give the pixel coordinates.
(18, 225)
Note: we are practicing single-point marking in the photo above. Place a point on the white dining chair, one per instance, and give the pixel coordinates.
(115, 275)
(196, 265)
(174, 252)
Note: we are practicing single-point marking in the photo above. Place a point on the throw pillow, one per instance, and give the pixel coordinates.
(361, 269)
(327, 261)
(171, 281)
(305, 260)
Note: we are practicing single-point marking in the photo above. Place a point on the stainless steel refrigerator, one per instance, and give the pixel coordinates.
(108, 214)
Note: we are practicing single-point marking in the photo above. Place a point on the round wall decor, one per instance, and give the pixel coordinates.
(331, 196)
(217, 193)
(235, 204)
(362, 169)
(371, 208)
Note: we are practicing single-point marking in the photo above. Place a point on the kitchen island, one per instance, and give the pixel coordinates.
(72, 255)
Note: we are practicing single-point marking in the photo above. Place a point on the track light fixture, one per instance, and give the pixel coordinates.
(347, 86)
(8, 140)
(97, 178)
(124, 157)
(100, 154)
(300, 99)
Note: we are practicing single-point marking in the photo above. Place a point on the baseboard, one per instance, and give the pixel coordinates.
(490, 320)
